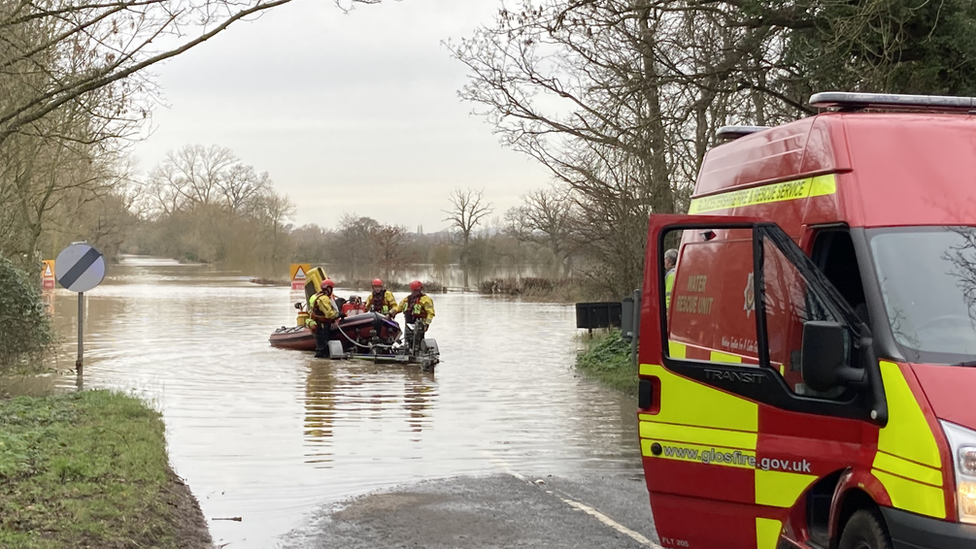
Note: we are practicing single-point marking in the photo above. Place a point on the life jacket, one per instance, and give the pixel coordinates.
(415, 309)
(378, 303)
(315, 312)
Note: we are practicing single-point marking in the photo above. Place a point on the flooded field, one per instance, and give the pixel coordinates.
(272, 435)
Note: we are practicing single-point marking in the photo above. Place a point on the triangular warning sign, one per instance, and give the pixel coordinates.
(47, 270)
(300, 274)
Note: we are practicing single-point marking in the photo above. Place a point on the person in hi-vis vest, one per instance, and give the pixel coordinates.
(323, 315)
(417, 309)
(381, 300)
(670, 262)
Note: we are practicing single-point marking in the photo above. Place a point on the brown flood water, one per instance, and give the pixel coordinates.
(272, 435)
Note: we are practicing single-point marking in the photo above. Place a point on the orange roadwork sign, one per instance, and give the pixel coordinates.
(299, 272)
(47, 275)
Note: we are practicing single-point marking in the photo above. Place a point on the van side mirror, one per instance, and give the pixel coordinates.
(824, 356)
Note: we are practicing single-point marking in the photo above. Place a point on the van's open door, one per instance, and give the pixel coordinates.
(729, 447)
(653, 312)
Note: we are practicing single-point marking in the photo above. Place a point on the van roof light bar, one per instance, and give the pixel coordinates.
(735, 132)
(849, 101)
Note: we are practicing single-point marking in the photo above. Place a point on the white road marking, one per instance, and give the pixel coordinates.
(636, 536)
(607, 521)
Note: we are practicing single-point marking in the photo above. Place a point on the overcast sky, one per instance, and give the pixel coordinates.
(353, 113)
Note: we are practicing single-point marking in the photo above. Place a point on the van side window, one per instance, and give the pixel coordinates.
(711, 313)
(714, 312)
(833, 253)
(788, 303)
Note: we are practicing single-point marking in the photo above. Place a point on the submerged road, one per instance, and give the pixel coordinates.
(502, 510)
(282, 440)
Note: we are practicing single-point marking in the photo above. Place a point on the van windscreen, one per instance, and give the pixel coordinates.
(928, 282)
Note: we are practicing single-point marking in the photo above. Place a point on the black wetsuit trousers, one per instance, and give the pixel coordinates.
(322, 336)
(409, 334)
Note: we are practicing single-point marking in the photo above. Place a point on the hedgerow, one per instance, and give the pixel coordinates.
(25, 327)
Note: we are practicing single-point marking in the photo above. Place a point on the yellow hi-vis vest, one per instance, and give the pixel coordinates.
(668, 286)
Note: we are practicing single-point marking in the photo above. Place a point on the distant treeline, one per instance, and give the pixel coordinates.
(203, 205)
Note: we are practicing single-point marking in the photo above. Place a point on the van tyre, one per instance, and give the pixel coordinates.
(865, 530)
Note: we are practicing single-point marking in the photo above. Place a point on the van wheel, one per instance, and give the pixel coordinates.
(865, 530)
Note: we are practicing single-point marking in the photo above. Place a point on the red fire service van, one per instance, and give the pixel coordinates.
(808, 366)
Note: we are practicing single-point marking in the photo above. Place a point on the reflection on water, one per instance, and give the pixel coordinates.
(419, 394)
(271, 435)
(358, 397)
(320, 412)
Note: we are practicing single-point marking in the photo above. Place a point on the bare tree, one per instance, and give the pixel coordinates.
(40, 169)
(73, 93)
(205, 204)
(545, 217)
(71, 49)
(197, 176)
(273, 210)
(193, 175)
(355, 246)
(241, 184)
(465, 213)
(616, 98)
(620, 99)
(104, 221)
(390, 240)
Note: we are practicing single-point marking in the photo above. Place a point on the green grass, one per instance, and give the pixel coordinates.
(607, 359)
(84, 469)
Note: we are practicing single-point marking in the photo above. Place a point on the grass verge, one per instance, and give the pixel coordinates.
(90, 469)
(607, 359)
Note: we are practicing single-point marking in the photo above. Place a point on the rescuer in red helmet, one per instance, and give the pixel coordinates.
(323, 314)
(381, 300)
(418, 309)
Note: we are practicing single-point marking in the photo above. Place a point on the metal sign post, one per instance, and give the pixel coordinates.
(80, 268)
(79, 362)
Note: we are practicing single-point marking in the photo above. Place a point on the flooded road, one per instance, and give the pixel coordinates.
(273, 435)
